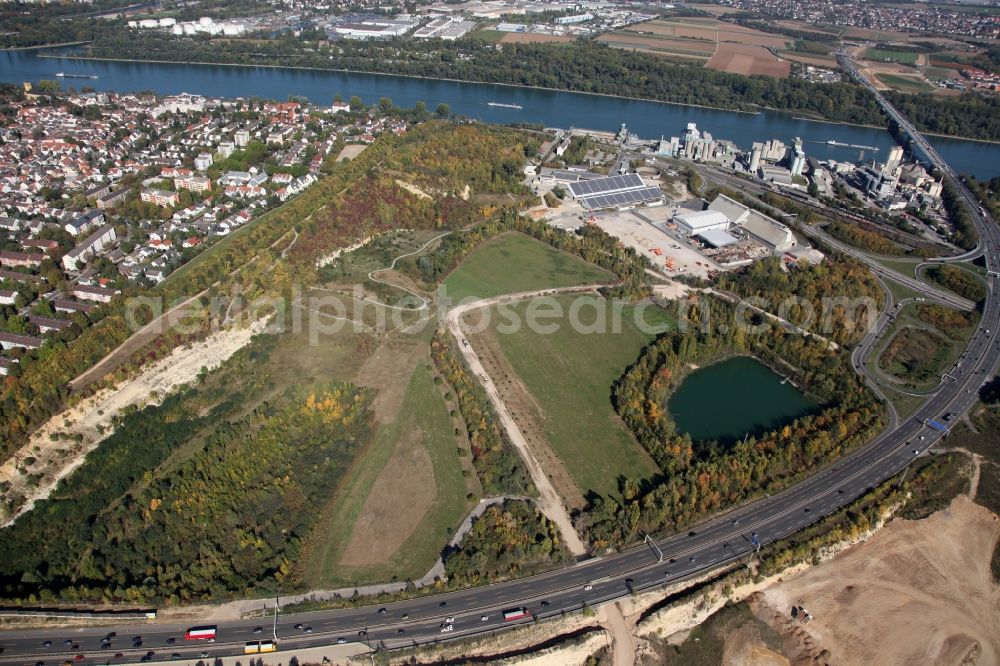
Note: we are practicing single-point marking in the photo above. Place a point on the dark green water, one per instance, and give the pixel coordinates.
(741, 395)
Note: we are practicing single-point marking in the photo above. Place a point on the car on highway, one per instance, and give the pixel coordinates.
(405, 616)
(79, 657)
(545, 604)
(171, 640)
(588, 587)
(175, 655)
(341, 640)
(483, 618)
(382, 611)
(257, 630)
(401, 631)
(307, 630)
(47, 644)
(298, 625)
(68, 642)
(449, 620)
(445, 628)
(363, 632)
(203, 655)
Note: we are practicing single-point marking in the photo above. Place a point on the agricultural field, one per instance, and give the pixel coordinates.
(726, 46)
(513, 263)
(567, 378)
(529, 38)
(748, 59)
(903, 57)
(906, 84)
(661, 45)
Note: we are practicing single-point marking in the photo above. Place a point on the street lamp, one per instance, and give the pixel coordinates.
(274, 629)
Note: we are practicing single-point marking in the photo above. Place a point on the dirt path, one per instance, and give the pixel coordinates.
(550, 504)
(623, 643)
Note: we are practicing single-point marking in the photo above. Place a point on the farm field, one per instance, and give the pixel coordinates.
(568, 377)
(904, 57)
(529, 38)
(669, 46)
(748, 59)
(513, 263)
(729, 47)
(904, 83)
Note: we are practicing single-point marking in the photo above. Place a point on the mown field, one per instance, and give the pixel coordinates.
(515, 263)
(569, 374)
(904, 83)
(904, 57)
(404, 496)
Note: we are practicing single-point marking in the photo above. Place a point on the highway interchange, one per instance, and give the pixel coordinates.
(723, 539)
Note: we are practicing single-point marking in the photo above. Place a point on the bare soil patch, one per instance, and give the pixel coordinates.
(747, 59)
(745, 35)
(527, 38)
(350, 151)
(400, 497)
(383, 371)
(917, 592)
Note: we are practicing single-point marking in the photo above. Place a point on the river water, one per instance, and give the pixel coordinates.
(551, 108)
(740, 396)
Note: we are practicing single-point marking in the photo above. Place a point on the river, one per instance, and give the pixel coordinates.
(739, 396)
(550, 108)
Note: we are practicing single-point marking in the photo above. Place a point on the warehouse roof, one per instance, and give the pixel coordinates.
(702, 219)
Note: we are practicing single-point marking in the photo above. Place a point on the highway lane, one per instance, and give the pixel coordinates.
(723, 539)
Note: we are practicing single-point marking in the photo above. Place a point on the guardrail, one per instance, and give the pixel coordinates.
(74, 613)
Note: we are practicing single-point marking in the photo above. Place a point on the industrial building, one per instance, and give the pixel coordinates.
(724, 215)
(447, 28)
(620, 192)
(374, 29)
(696, 222)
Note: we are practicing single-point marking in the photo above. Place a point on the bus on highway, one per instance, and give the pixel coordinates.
(515, 614)
(931, 423)
(200, 633)
(257, 647)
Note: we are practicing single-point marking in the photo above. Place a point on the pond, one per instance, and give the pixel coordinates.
(727, 400)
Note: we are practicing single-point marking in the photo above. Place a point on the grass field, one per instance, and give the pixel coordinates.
(570, 374)
(904, 57)
(904, 83)
(400, 503)
(514, 263)
(907, 268)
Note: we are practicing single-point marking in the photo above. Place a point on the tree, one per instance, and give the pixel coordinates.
(443, 110)
(49, 86)
(385, 104)
(357, 104)
(813, 189)
(990, 392)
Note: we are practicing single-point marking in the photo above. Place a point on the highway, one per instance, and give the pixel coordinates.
(723, 539)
